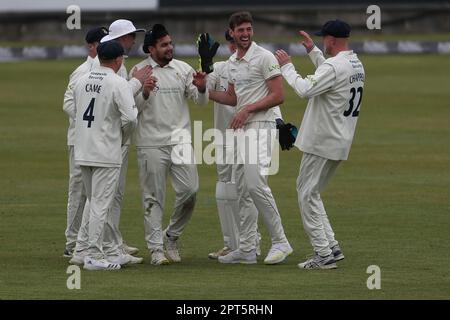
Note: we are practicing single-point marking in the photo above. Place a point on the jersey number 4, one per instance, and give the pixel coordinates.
(351, 102)
(89, 113)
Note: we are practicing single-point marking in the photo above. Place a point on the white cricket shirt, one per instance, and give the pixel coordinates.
(249, 75)
(165, 114)
(105, 107)
(68, 105)
(334, 91)
(218, 80)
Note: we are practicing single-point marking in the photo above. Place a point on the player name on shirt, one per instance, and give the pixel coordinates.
(92, 87)
(357, 77)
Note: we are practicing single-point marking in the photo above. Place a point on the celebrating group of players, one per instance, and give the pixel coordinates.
(108, 107)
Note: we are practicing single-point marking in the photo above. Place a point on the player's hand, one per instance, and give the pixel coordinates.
(149, 86)
(307, 42)
(199, 81)
(142, 74)
(282, 57)
(207, 49)
(240, 118)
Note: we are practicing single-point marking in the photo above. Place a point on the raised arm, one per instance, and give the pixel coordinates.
(321, 81)
(137, 78)
(314, 53)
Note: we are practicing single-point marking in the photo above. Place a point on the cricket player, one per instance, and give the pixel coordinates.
(334, 91)
(124, 32)
(76, 202)
(106, 115)
(255, 87)
(163, 144)
(226, 190)
(226, 193)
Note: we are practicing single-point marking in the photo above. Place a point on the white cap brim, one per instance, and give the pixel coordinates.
(115, 36)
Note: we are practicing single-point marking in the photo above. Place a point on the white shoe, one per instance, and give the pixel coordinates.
(124, 258)
(222, 252)
(128, 249)
(238, 256)
(158, 258)
(135, 260)
(78, 258)
(102, 264)
(121, 259)
(319, 262)
(171, 249)
(278, 253)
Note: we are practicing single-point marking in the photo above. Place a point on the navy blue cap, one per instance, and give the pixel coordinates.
(335, 28)
(109, 50)
(95, 34)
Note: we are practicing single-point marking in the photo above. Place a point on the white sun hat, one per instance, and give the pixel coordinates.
(120, 28)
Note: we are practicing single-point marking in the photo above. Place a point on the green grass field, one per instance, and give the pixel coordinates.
(389, 204)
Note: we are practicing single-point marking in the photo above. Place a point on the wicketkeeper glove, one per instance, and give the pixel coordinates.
(287, 134)
(207, 49)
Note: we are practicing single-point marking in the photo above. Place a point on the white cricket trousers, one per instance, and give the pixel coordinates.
(101, 185)
(76, 201)
(154, 165)
(113, 240)
(315, 173)
(227, 204)
(254, 145)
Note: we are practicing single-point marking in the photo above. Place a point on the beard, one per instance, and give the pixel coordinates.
(244, 44)
(166, 58)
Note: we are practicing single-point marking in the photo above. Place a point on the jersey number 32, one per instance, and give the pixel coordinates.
(351, 102)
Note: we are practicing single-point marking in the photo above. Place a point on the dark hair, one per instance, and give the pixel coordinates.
(239, 18)
(228, 37)
(151, 37)
(109, 50)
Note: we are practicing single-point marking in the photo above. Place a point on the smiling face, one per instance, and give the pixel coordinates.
(162, 52)
(242, 35)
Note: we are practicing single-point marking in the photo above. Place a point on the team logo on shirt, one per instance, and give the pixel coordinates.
(274, 67)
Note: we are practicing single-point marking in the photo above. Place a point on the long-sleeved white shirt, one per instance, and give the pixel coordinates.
(165, 114)
(68, 105)
(334, 92)
(223, 114)
(105, 116)
(83, 69)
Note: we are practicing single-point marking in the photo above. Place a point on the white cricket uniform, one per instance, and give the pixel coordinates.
(226, 191)
(164, 129)
(76, 200)
(105, 117)
(326, 133)
(249, 76)
(113, 239)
